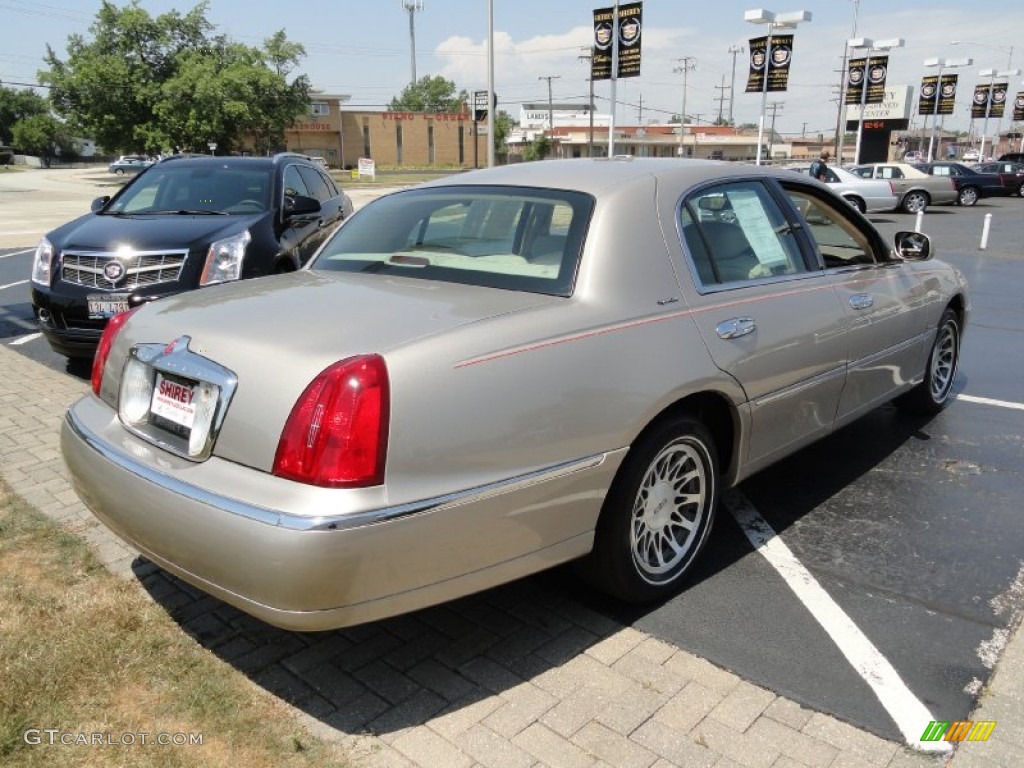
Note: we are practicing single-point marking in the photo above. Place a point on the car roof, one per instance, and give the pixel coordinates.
(599, 175)
(231, 161)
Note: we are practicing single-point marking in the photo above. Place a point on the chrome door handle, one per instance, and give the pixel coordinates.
(733, 329)
(862, 301)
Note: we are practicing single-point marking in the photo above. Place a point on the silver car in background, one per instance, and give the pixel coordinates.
(486, 376)
(866, 195)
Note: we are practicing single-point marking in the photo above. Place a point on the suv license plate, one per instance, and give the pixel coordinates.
(104, 306)
(173, 401)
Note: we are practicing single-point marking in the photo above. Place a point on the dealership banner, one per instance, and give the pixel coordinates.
(629, 27)
(778, 67)
(1018, 107)
(989, 100)
(871, 71)
(931, 91)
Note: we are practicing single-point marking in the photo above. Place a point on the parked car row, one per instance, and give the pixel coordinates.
(915, 190)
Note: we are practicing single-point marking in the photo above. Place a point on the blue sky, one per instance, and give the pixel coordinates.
(361, 48)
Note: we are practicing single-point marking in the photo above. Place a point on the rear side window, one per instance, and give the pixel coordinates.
(737, 232)
(315, 183)
(503, 237)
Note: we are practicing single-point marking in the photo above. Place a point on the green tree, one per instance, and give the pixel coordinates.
(537, 149)
(144, 84)
(16, 105)
(429, 94)
(503, 124)
(42, 135)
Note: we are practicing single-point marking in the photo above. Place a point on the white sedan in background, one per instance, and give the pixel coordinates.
(866, 195)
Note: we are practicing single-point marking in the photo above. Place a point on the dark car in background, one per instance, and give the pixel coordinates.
(1011, 174)
(187, 222)
(971, 186)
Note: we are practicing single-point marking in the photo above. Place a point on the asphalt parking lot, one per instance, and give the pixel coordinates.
(909, 527)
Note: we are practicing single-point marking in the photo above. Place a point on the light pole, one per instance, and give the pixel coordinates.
(941, 64)
(991, 74)
(775, 22)
(869, 46)
(685, 65)
(412, 6)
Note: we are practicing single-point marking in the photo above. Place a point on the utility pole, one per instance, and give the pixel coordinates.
(551, 108)
(720, 98)
(774, 106)
(734, 50)
(588, 57)
(412, 6)
(686, 63)
(640, 111)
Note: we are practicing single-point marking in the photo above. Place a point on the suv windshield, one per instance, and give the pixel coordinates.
(175, 187)
(501, 237)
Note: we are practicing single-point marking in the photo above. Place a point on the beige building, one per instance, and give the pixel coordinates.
(391, 139)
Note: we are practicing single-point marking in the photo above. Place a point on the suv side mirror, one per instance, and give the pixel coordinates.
(913, 246)
(98, 203)
(300, 205)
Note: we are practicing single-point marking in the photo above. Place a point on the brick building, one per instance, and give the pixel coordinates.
(392, 139)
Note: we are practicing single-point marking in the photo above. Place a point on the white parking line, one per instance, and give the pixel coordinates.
(16, 253)
(989, 401)
(906, 710)
(25, 339)
(11, 285)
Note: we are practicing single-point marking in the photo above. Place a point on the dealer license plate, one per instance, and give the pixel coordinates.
(103, 306)
(174, 401)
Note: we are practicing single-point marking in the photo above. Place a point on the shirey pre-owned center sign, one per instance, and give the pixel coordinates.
(880, 120)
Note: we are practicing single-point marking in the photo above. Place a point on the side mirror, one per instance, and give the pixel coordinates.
(300, 205)
(913, 246)
(98, 203)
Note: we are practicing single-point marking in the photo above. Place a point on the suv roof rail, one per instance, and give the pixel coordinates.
(282, 155)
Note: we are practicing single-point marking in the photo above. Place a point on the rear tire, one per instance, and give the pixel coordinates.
(968, 196)
(915, 201)
(658, 513)
(857, 203)
(933, 394)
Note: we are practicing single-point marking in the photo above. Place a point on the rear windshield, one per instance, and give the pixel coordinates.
(517, 238)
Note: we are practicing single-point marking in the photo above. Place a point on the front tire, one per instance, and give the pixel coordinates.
(658, 513)
(968, 196)
(933, 394)
(916, 201)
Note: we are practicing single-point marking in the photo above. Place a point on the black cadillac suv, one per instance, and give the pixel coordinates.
(183, 223)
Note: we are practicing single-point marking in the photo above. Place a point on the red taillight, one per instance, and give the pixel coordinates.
(337, 433)
(99, 362)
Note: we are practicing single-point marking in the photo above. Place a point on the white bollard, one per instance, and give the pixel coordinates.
(919, 221)
(984, 231)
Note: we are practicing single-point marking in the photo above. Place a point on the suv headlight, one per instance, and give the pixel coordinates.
(224, 259)
(42, 263)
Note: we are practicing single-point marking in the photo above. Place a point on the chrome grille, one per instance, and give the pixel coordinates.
(141, 268)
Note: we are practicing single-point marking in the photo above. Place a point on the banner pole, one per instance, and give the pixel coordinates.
(935, 112)
(614, 73)
(764, 92)
(984, 123)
